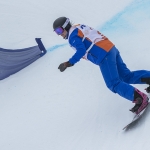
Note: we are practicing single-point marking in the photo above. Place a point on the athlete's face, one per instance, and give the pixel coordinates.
(64, 34)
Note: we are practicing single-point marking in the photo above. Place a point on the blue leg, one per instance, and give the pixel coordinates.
(130, 77)
(111, 75)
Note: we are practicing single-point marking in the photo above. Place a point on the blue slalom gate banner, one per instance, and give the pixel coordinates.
(12, 61)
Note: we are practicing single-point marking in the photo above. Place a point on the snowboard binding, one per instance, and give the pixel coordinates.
(147, 81)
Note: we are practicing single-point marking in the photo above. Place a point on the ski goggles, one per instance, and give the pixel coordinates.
(59, 30)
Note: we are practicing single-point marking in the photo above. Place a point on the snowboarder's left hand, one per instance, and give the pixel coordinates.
(64, 65)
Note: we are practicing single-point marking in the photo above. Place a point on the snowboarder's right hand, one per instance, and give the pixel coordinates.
(64, 65)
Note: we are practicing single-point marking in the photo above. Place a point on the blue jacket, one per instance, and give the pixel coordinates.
(96, 53)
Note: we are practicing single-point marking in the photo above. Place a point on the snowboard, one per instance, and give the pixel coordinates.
(136, 118)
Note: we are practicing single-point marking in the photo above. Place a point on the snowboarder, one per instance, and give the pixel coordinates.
(90, 44)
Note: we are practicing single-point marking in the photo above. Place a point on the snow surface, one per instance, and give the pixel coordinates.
(44, 109)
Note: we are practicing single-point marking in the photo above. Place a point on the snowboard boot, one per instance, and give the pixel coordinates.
(140, 100)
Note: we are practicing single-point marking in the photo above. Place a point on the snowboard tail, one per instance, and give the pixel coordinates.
(136, 117)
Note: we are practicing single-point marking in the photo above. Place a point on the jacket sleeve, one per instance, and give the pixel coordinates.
(77, 43)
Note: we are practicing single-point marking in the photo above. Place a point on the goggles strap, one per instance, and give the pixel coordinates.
(66, 23)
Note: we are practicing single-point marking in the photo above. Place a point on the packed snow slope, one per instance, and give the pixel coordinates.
(44, 109)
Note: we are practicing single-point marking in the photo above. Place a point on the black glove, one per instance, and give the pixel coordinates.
(64, 65)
